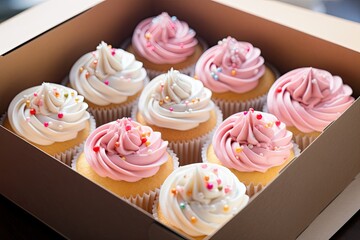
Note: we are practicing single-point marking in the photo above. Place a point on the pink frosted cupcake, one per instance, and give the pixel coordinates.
(236, 74)
(164, 42)
(307, 100)
(127, 158)
(254, 145)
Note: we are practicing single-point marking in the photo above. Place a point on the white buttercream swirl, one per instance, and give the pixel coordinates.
(107, 75)
(176, 101)
(199, 198)
(48, 113)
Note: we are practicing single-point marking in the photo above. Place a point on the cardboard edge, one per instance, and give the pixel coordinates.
(24, 26)
(304, 20)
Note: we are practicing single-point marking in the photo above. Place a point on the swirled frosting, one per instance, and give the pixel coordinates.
(48, 113)
(309, 99)
(107, 75)
(125, 150)
(231, 66)
(176, 101)
(199, 198)
(252, 141)
(164, 39)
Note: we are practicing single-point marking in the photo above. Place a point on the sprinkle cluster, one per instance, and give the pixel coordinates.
(211, 182)
(35, 102)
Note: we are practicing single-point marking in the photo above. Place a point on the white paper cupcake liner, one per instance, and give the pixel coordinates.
(251, 189)
(303, 140)
(146, 200)
(104, 114)
(189, 70)
(154, 208)
(68, 154)
(189, 151)
(229, 108)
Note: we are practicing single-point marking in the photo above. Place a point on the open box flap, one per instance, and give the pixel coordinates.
(39, 19)
(304, 20)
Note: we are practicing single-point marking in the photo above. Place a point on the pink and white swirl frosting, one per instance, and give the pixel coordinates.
(124, 150)
(199, 198)
(48, 114)
(308, 99)
(231, 66)
(176, 101)
(164, 39)
(252, 141)
(107, 75)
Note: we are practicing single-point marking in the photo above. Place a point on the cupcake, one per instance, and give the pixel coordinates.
(110, 80)
(198, 199)
(307, 100)
(254, 145)
(164, 42)
(181, 109)
(236, 74)
(52, 117)
(128, 159)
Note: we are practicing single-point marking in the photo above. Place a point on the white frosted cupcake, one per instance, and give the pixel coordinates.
(110, 80)
(198, 199)
(52, 117)
(179, 107)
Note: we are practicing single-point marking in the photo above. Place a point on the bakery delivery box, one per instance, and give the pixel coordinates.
(43, 43)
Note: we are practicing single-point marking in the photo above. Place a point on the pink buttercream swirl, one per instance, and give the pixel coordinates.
(164, 39)
(252, 141)
(231, 66)
(125, 150)
(309, 98)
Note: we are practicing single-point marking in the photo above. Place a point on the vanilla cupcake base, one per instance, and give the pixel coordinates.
(231, 103)
(62, 151)
(188, 150)
(141, 193)
(254, 181)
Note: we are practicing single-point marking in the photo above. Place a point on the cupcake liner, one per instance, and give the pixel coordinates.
(105, 114)
(146, 200)
(303, 140)
(189, 151)
(251, 189)
(68, 154)
(229, 108)
(189, 70)
(154, 208)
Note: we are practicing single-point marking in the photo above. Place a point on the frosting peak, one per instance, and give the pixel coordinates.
(107, 75)
(125, 150)
(199, 198)
(252, 141)
(48, 113)
(177, 101)
(164, 39)
(308, 98)
(231, 66)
